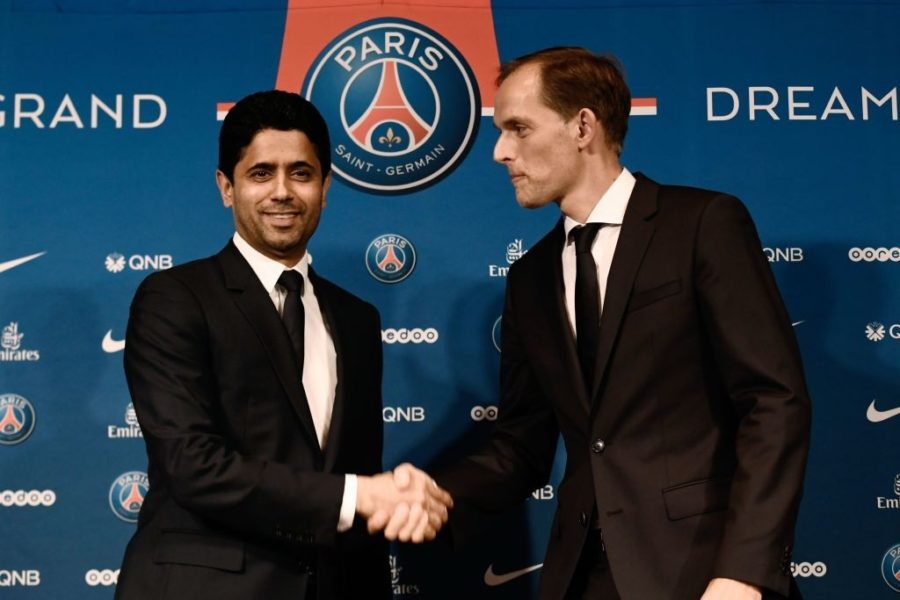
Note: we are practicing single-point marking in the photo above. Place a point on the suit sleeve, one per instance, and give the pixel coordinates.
(168, 367)
(759, 362)
(519, 456)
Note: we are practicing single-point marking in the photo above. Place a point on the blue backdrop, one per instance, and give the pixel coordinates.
(108, 129)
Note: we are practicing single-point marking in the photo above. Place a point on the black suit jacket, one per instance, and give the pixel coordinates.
(692, 446)
(243, 503)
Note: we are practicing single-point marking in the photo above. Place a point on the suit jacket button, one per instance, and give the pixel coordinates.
(598, 446)
(583, 519)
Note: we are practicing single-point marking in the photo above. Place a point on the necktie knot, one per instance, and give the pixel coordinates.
(292, 281)
(583, 236)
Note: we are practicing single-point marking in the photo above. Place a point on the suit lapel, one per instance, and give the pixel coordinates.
(637, 231)
(256, 306)
(326, 305)
(551, 302)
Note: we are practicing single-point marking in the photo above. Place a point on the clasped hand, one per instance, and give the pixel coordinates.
(406, 504)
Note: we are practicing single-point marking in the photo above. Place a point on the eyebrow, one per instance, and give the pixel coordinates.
(272, 166)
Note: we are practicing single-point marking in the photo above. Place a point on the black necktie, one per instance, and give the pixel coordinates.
(292, 315)
(587, 301)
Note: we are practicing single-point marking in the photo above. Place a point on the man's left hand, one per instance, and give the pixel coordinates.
(730, 589)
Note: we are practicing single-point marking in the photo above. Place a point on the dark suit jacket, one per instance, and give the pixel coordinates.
(692, 445)
(243, 503)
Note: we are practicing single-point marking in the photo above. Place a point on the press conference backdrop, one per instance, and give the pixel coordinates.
(109, 114)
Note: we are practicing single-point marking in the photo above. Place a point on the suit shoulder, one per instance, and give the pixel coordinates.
(189, 275)
(547, 248)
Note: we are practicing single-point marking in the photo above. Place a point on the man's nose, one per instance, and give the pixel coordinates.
(502, 151)
(282, 191)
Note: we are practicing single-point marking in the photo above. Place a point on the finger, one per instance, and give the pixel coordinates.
(403, 476)
(378, 521)
(412, 523)
(440, 495)
(437, 516)
(430, 533)
(418, 534)
(398, 520)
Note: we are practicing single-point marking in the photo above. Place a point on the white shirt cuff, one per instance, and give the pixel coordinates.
(348, 504)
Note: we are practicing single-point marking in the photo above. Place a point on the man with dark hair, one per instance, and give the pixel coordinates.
(647, 328)
(257, 384)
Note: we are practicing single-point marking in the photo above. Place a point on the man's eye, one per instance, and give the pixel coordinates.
(259, 174)
(521, 130)
(302, 174)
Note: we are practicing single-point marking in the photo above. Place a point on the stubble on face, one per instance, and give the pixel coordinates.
(535, 143)
(277, 194)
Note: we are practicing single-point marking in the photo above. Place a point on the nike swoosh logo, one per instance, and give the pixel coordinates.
(492, 579)
(110, 345)
(877, 416)
(12, 264)
(797, 323)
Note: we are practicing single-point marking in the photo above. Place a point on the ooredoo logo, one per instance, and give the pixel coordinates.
(808, 569)
(416, 335)
(17, 419)
(484, 413)
(126, 495)
(874, 254)
(401, 102)
(105, 577)
(22, 498)
(390, 258)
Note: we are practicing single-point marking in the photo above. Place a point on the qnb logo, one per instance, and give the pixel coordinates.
(22, 498)
(126, 495)
(484, 413)
(400, 414)
(17, 419)
(543, 493)
(105, 577)
(131, 430)
(116, 263)
(884, 503)
(410, 336)
(798, 103)
(514, 251)
(875, 331)
(890, 567)
(11, 346)
(390, 258)
(784, 254)
(401, 103)
(806, 569)
(874, 254)
(23, 578)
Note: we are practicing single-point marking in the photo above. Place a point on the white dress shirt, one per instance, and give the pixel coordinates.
(319, 356)
(610, 211)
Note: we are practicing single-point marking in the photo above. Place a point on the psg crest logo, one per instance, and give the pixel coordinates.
(401, 103)
(390, 258)
(126, 495)
(890, 567)
(17, 418)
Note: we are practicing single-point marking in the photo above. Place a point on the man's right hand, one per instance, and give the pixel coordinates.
(407, 504)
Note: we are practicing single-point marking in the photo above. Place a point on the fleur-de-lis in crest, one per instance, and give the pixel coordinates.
(389, 138)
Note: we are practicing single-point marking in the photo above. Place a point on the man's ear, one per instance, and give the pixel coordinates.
(589, 127)
(326, 185)
(226, 188)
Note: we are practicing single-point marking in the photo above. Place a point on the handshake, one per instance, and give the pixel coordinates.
(406, 504)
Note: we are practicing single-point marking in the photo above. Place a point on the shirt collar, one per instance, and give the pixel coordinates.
(267, 269)
(610, 210)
